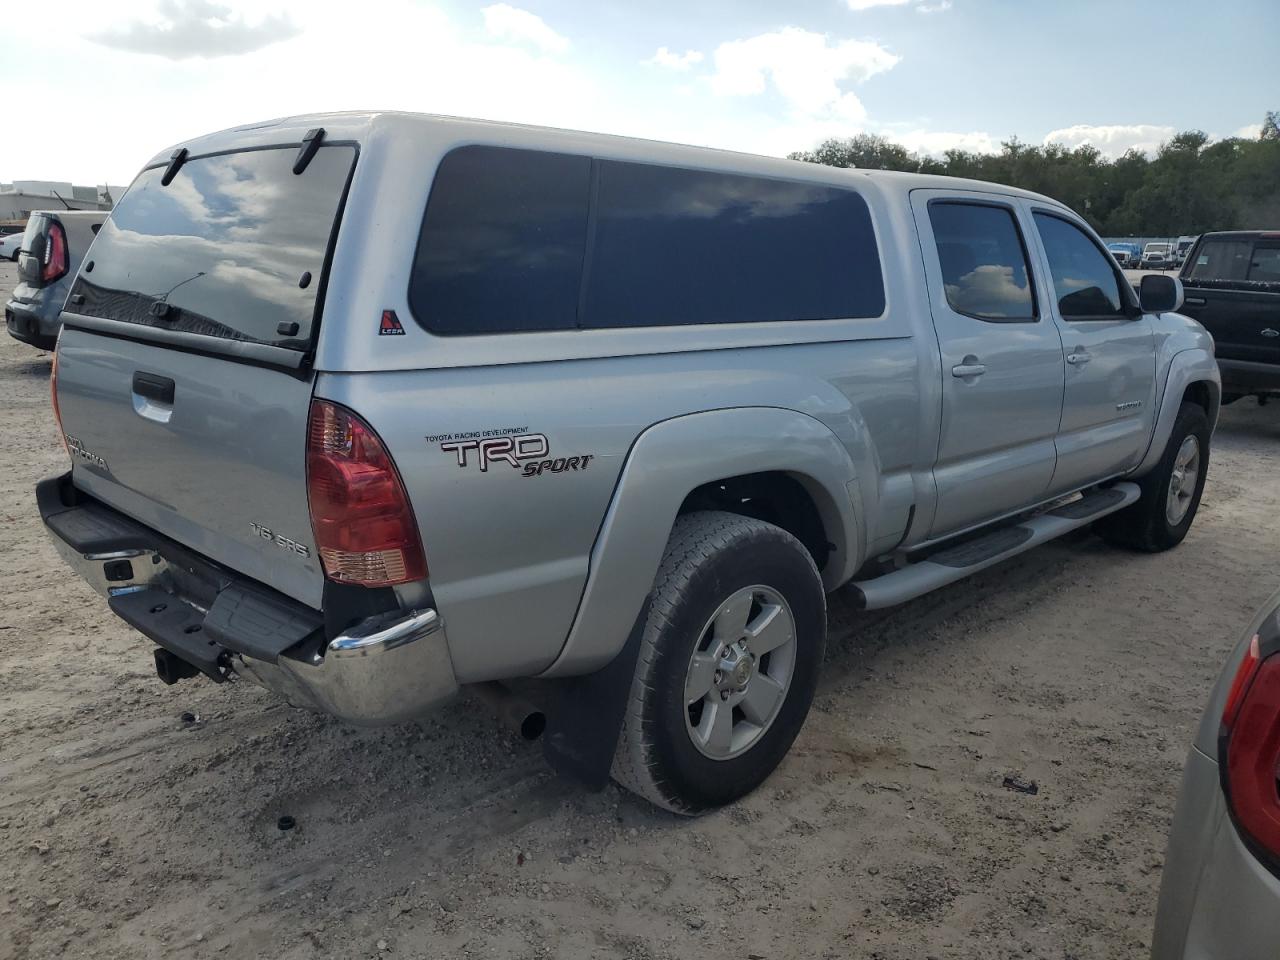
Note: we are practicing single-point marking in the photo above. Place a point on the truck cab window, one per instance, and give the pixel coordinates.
(1265, 264)
(1084, 281)
(983, 260)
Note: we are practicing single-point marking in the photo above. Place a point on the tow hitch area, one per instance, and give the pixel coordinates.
(179, 630)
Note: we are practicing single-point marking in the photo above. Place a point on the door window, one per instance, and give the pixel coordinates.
(1221, 260)
(1084, 281)
(983, 260)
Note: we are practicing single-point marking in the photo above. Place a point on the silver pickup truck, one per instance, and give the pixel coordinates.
(367, 407)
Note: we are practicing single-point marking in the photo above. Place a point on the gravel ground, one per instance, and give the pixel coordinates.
(887, 833)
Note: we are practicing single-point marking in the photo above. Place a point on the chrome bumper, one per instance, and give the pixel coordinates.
(387, 669)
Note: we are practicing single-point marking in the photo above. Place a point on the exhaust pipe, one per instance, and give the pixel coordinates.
(171, 669)
(514, 711)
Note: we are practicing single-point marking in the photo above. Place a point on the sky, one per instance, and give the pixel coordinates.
(128, 78)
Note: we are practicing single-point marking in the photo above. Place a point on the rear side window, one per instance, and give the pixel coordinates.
(517, 241)
(1265, 264)
(502, 242)
(234, 247)
(677, 246)
(983, 260)
(1084, 281)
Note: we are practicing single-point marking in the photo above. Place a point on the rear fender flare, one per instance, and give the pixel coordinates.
(674, 457)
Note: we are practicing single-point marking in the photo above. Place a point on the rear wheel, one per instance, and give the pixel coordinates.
(728, 663)
(1171, 492)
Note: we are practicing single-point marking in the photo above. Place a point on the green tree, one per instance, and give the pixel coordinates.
(1271, 126)
(868, 151)
(1190, 186)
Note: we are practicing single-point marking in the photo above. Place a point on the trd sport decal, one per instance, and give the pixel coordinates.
(390, 325)
(527, 452)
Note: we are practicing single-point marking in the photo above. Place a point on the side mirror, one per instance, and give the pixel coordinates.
(1159, 293)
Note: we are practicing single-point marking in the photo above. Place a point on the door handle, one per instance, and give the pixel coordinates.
(969, 367)
(1195, 301)
(153, 387)
(1079, 357)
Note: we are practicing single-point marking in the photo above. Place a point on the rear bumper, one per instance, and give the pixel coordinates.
(1249, 376)
(25, 324)
(387, 668)
(1216, 898)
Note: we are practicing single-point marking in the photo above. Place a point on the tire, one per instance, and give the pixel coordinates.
(719, 567)
(1152, 524)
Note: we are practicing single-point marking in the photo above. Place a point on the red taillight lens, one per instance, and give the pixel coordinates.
(360, 514)
(1251, 746)
(53, 394)
(55, 254)
(1240, 683)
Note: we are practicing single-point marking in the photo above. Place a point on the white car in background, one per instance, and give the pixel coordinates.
(9, 246)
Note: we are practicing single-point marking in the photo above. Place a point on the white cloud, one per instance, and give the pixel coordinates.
(180, 29)
(1112, 140)
(805, 68)
(936, 7)
(937, 142)
(868, 4)
(505, 22)
(1250, 131)
(675, 61)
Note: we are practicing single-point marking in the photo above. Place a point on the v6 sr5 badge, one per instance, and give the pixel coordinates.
(530, 453)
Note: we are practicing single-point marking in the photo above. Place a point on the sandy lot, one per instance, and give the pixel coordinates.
(125, 832)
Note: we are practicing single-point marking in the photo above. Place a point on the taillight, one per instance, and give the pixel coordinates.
(1249, 749)
(55, 254)
(53, 394)
(360, 515)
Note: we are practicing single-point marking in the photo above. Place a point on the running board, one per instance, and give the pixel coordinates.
(955, 563)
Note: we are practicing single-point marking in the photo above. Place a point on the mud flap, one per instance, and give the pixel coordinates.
(584, 714)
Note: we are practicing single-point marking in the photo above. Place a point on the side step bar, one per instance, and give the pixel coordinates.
(954, 563)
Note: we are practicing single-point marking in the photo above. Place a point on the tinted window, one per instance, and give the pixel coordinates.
(1265, 264)
(502, 242)
(984, 263)
(1084, 280)
(223, 249)
(1222, 260)
(676, 246)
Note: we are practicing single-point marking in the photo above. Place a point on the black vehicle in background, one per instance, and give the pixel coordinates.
(1232, 285)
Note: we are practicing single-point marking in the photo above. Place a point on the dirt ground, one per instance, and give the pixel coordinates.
(126, 832)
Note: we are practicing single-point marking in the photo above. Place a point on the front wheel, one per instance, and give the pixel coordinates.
(1171, 492)
(728, 663)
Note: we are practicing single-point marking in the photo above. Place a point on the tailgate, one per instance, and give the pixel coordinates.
(220, 467)
(182, 378)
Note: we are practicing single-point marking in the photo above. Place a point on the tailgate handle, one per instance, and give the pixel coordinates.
(159, 389)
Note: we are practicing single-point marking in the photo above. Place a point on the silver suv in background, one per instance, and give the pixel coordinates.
(1157, 256)
(367, 407)
(1220, 892)
(51, 251)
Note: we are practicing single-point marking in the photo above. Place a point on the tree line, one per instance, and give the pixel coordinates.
(1189, 187)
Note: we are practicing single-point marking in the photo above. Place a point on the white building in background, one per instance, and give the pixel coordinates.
(19, 198)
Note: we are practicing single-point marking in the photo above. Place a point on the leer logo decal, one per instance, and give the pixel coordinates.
(390, 325)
